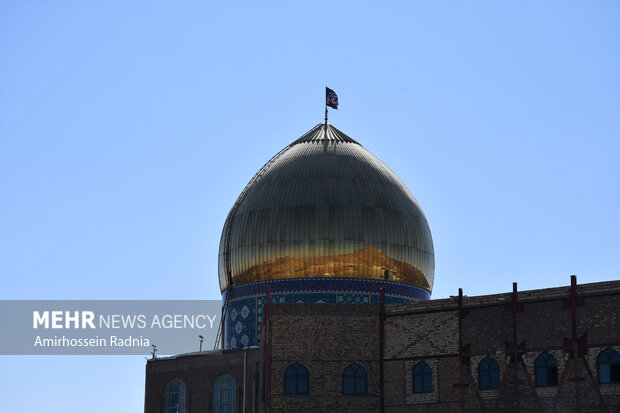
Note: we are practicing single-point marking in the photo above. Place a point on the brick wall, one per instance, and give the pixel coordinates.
(199, 371)
(325, 338)
(430, 331)
(452, 339)
(421, 334)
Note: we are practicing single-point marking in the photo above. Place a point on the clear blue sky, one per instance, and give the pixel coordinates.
(127, 130)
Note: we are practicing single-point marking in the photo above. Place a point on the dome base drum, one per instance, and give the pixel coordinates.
(245, 304)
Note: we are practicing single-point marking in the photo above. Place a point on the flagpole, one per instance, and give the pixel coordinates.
(325, 126)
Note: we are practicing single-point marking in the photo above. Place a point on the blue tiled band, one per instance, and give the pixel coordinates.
(328, 285)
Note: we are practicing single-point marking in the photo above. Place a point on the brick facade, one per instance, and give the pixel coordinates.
(540, 320)
(574, 324)
(325, 338)
(199, 371)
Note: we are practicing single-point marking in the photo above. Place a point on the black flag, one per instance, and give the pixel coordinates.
(331, 98)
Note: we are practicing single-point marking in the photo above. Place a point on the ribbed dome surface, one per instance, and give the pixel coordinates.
(326, 207)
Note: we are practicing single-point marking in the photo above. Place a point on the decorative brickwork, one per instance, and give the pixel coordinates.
(417, 335)
(539, 320)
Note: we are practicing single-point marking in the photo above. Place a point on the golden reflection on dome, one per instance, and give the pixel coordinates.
(367, 263)
(326, 207)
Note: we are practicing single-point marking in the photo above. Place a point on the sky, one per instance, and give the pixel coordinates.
(128, 129)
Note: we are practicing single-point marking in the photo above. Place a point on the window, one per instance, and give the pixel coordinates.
(174, 397)
(546, 370)
(488, 374)
(296, 379)
(354, 380)
(224, 392)
(422, 378)
(608, 366)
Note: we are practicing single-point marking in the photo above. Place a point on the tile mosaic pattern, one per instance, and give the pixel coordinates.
(329, 285)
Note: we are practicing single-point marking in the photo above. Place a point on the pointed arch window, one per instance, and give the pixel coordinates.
(174, 397)
(296, 379)
(488, 374)
(224, 394)
(608, 366)
(422, 378)
(354, 380)
(546, 370)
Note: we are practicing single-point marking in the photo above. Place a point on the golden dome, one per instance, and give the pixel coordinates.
(325, 207)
